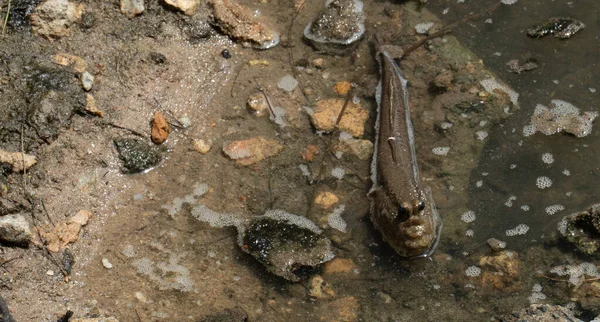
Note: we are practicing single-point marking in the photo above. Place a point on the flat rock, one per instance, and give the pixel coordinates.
(363, 149)
(15, 229)
(17, 160)
(251, 151)
(239, 22)
(327, 111)
(137, 155)
(54, 18)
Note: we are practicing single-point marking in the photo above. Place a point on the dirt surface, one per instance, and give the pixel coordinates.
(166, 265)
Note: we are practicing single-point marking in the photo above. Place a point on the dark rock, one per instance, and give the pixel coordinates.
(137, 155)
(559, 27)
(158, 58)
(15, 229)
(542, 313)
(582, 229)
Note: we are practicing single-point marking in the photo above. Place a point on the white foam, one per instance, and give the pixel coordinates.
(521, 229)
(335, 220)
(441, 150)
(468, 216)
(214, 218)
(338, 172)
(543, 182)
(492, 84)
(287, 83)
(424, 27)
(473, 271)
(548, 158)
(551, 210)
(299, 221)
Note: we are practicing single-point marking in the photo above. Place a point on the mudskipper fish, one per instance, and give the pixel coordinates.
(402, 209)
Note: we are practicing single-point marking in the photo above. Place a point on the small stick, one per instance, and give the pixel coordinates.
(134, 132)
(23, 160)
(6, 18)
(46, 212)
(348, 96)
(263, 91)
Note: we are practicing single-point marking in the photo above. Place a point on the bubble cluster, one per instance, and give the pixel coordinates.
(423, 27)
(213, 218)
(335, 220)
(128, 251)
(551, 210)
(441, 150)
(510, 200)
(492, 84)
(543, 182)
(287, 83)
(338, 172)
(473, 271)
(566, 172)
(509, 2)
(521, 229)
(468, 216)
(536, 294)
(525, 207)
(304, 169)
(469, 233)
(479, 183)
(562, 226)
(577, 273)
(529, 130)
(199, 190)
(513, 166)
(548, 158)
(481, 135)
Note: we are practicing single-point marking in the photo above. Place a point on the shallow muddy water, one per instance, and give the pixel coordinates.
(168, 265)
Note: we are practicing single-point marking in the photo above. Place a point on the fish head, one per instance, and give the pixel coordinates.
(411, 227)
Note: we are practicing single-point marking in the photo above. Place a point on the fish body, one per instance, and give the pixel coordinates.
(401, 208)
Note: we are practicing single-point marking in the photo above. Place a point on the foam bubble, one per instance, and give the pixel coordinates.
(423, 28)
(525, 207)
(521, 229)
(510, 200)
(473, 271)
(287, 83)
(335, 220)
(213, 218)
(338, 172)
(548, 158)
(543, 182)
(469, 233)
(468, 216)
(492, 84)
(566, 172)
(479, 183)
(481, 135)
(551, 210)
(128, 251)
(441, 150)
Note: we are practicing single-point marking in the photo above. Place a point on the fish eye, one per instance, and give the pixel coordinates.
(421, 205)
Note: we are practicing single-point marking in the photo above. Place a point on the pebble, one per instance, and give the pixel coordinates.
(339, 266)
(54, 18)
(91, 106)
(132, 8)
(15, 229)
(87, 81)
(496, 244)
(141, 297)
(258, 103)
(201, 146)
(50, 272)
(188, 7)
(319, 289)
(326, 199)
(444, 79)
(342, 88)
(160, 128)
(106, 263)
(319, 63)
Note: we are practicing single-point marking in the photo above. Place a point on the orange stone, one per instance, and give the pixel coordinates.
(160, 128)
(342, 88)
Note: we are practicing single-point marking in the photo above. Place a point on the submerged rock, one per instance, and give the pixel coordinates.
(327, 112)
(132, 8)
(338, 26)
(559, 27)
(250, 151)
(239, 22)
(542, 313)
(137, 155)
(582, 229)
(285, 244)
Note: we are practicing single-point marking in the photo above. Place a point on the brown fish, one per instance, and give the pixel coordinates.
(401, 208)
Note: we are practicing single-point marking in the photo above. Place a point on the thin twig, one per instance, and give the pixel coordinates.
(23, 160)
(6, 18)
(46, 212)
(451, 27)
(134, 132)
(289, 50)
(263, 91)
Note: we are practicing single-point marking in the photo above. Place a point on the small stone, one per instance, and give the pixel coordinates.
(132, 8)
(158, 58)
(188, 7)
(319, 63)
(15, 229)
(81, 217)
(141, 297)
(363, 149)
(342, 88)
(444, 79)
(226, 54)
(327, 111)
(87, 81)
(319, 289)
(501, 270)
(201, 146)
(326, 199)
(309, 153)
(137, 155)
(250, 151)
(160, 128)
(63, 59)
(91, 106)
(50, 272)
(185, 121)
(54, 18)
(106, 263)
(17, 160)
(496, 244)
(339, 266)
(258, 103)
(385, 298)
